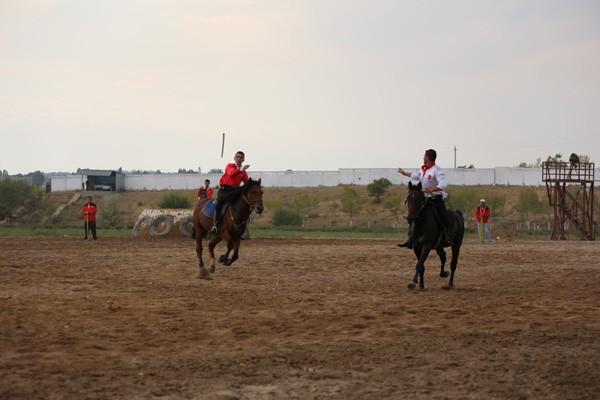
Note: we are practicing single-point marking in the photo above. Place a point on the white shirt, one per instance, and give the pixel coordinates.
(432, 177)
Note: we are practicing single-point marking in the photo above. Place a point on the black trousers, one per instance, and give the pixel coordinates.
(440, 208)
(90, 226)
(223, 196)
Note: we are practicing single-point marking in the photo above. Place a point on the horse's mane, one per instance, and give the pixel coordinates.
(237, 192)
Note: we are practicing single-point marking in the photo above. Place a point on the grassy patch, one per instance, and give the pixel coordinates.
(26, 231)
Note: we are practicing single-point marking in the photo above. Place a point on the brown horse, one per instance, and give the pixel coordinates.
(232, 226)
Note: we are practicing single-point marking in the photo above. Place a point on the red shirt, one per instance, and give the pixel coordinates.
(209, 192)
(233, 176)
(482, 213)
(90, 208)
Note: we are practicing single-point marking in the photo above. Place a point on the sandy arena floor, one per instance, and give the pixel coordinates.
(296, 319)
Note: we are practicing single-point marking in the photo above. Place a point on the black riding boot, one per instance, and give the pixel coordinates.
(448, 237)
(409, 241)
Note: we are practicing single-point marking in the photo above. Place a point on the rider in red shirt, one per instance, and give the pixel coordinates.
(233, 177)
(205, 192)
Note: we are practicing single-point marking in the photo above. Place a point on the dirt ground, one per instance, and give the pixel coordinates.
(297, 319)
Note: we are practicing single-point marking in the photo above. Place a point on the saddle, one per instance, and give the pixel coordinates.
(210, 207)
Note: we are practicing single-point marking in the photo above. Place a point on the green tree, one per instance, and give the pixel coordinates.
(352, 203)
(377, 188)
(556, 158)
(528, 204)
(464, 199)
(303, 203)
(37, 178)
(394, 205)
(21, 202)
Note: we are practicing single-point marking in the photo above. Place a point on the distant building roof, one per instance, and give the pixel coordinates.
(96, 172)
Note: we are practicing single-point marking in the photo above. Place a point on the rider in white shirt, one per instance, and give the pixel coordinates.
(433, 180)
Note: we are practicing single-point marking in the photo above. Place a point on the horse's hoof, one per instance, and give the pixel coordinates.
(204, 275)
(222, 259)
(444, 274)
(412, 285)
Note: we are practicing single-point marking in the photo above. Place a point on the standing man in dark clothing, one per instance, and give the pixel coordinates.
(89, 216)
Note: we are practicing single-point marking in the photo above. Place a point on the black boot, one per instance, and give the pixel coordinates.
(447, 239)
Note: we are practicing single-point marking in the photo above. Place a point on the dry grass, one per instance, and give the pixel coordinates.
(325, 213)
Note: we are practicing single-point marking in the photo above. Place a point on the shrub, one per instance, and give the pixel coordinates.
(286, 217)
(112, 214)
(22, 203)
(175, 201)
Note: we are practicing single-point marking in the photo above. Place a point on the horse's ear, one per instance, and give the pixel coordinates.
(410, 185)
(259, 179)
(420, 186)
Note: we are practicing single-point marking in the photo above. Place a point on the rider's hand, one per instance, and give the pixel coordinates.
(245, 167)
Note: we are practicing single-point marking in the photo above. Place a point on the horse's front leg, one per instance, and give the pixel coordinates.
(225, 256)
(204, 274)
(442, 254)
(211, 250)
(421, 252)
(235, 255)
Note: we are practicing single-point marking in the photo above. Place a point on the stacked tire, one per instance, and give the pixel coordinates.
(155, 223)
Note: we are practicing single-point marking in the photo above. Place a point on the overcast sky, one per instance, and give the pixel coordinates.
(302, 85)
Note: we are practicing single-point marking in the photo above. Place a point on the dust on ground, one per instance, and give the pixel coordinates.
(300, 319)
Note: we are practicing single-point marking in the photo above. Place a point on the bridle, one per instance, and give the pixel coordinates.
(251, 203)
(423, 201)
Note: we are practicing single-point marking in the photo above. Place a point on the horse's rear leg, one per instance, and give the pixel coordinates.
(453, 264)
(204, 274)
(442, 254)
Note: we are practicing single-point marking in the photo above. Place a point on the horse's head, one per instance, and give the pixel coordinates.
(253, 195)
(414, 201)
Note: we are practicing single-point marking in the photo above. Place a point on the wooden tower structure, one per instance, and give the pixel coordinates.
(571, 193)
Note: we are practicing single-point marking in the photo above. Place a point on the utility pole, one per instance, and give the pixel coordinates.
(454, 156)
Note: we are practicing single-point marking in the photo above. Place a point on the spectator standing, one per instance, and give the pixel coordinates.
(89, 215)
(482, 215)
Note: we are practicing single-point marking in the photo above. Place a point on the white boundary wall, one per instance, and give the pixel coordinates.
(506, 176)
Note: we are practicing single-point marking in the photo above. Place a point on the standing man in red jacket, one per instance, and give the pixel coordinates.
(89, 216)
(482, 215)
(233, 177)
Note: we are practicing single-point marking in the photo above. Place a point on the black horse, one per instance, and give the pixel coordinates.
(233, 224)
(427, 234)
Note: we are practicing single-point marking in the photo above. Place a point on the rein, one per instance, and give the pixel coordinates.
(233, 218)
(423, 202)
